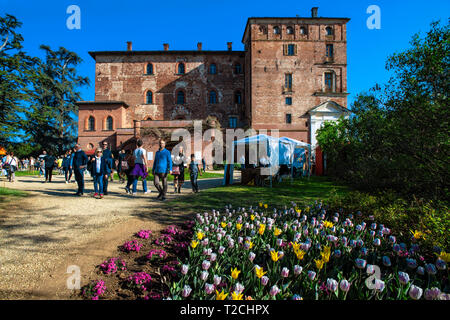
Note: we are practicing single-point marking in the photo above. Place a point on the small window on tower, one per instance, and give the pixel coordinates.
(289, 101)
(290, 30)
(288, 118)
(276, 30)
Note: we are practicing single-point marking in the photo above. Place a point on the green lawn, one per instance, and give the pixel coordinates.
(7, 195)
(206, 175)
(301, 191)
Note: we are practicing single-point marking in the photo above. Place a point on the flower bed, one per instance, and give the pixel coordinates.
(308, 253)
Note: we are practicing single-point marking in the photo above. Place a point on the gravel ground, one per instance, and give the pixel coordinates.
(41, 235)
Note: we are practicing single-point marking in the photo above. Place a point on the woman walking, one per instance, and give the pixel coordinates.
(11, 162)
(140, 167)
(179, 163)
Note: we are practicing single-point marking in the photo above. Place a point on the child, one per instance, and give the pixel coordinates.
(99, 171)
(193, 171)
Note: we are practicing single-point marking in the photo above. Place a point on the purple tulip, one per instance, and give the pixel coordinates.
(337, 253)
(386, 261)
(186, 291)
(209, 288)
(344, 285)
(440, 264)
(238, 287)
(204, 275)
(360, 263)
(285, 272)
(432, 294)
(213, 257)
(373, 226)
(217, 280)
(370, 269)
(379, 285)
(403, 277)
(274, 291)
(431, 268)
(184, 269)
(415, 292)
(221, 249)
(332, 285)
(297, 270)
(411, 263)
(264, 280)
(377, 242)
(206, 264)
(364, 251)
(311, 275)
(420, 270)
(251, 256)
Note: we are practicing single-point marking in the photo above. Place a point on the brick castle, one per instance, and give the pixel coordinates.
(291, 76)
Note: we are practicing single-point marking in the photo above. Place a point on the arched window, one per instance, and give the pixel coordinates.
(181, 68)
(238, 97)
(109, 123)
(290, 30)
(303, 30)
(212, 68)
(180, 97)
(212, 97)
(276, 30)
(329, 31)
(149, 97)
(91, 123)
(237, 68)
(149, 68)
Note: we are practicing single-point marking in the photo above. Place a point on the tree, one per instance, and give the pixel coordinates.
(51, 123)
(16, 71)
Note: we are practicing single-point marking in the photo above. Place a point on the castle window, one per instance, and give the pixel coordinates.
(237, 68)
(303, 30)
(212, 97)
(212, 68)
(180, 97)
(288, 118)
(291, 49)
(329, 31)
(109, 123)
(329, 51)
(276, 30)
(149, 68)
(181, 68)
(238, 97)
(289, 101)
(91, 124)
(329, 81)
(288, 81)
(232, 122)
(149, 97)
(290, 30)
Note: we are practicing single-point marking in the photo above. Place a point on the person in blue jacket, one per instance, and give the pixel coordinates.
(100, 170)
(79, 163)
(66, 164)
(162, 166)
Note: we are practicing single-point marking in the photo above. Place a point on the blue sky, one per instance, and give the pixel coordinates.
(107, 25)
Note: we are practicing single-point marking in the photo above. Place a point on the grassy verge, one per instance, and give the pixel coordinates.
(206, 175)
(301, 191)
(7, 195)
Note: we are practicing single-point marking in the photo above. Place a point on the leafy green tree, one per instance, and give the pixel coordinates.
(16, 71)
(52, 120)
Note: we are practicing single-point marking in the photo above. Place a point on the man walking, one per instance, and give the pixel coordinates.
(79, 163)
(161, 167)
(49, 161)
(107, 154)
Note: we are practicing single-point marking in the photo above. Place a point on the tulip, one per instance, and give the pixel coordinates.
(204, 275)
(221, 249)
(209, 288)
(420, 270)
(403, 277)
(239, 288)
(264, 280)
(344, 285)
(377, 242)
(386, 261)
(415, 292)
(370, 269)
(213, 257)
(251, 256)
(379, 285)
(440, 264)
(206, 264)
(297, 270)
(274, 291)
(285, 272)
(432, 294)
(360, 263)
(311, 275)
(392, 239)
(332, 285)
(184, 269)
(411, 263)
(431, 268)
(186, 291)
(217, 280)
(337, 253)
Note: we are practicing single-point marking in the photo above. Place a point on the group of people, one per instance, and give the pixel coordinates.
(132, 166)
(9, 165)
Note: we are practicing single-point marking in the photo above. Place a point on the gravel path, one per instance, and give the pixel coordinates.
(41, 235)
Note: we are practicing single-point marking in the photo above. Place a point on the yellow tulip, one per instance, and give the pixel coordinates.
(235, 273)
(221, 296)
(300, 254)
(200, 235)
(250, 244)
(262, 227)
(325, 256)
(252, 217)
(260, 272)
(417, 234)
(275, 256)
(239, 226)
(265, 206)
(295, 246)
(236, 296)
(223, 224)
(194, 243)
(319, 264)
(328, 224)
(260, 204)
(277, 232)
(444, 256)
